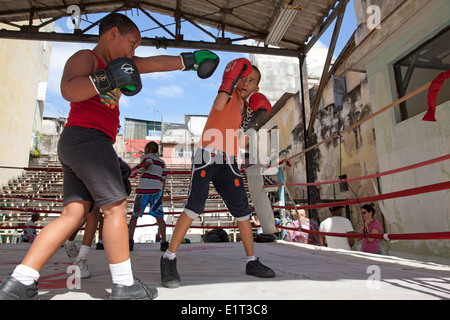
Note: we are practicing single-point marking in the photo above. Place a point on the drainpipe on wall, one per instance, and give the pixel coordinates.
(310, 176)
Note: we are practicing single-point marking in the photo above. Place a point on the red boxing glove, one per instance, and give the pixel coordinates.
(234, 71)
(259, 106)
(259, 101)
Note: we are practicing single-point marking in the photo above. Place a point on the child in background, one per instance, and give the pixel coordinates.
(150, 192)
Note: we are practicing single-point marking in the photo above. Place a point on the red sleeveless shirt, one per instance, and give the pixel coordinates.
(100, 112)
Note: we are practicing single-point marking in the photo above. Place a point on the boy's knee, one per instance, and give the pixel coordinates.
(115, 208)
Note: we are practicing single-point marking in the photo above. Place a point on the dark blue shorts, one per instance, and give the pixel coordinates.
(222, 170)
(154, 201)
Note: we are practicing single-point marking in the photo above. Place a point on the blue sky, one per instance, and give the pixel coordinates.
(168, 93)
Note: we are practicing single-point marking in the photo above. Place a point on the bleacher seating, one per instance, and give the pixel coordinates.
(40, 190)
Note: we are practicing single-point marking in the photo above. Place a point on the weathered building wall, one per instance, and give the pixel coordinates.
(289, 123)
(279, 75)
(383, 143)
(410, 141)
(24, 64)
(354, 153)
(51, 128)
(367, 16)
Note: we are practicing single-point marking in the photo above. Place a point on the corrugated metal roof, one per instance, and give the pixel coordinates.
(251, 19)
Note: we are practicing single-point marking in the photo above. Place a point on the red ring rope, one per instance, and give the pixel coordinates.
(376, 175)
(398, 194)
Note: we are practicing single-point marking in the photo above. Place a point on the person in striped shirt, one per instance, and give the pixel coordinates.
(149, 192)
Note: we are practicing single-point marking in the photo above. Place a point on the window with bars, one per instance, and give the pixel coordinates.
(418, 68)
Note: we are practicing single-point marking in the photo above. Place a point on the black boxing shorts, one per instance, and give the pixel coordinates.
(91, 167)
(222, 170)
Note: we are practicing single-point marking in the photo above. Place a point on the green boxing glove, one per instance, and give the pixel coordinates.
(203, 61)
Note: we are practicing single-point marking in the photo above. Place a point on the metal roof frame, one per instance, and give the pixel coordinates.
(223, 15)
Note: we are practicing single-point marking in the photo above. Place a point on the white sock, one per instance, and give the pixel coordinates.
(70, 242)
(83, 253)
(169, 255)
(25, 274)
(121, 273)
(250, 258)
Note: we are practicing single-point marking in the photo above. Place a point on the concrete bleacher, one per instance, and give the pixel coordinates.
(40, 190)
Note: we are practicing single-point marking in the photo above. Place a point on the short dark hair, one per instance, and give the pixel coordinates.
(259, 72)
(121, 21)
(152, 147)
(336, 208)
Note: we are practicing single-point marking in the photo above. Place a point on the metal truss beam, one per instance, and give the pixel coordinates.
(150, 42)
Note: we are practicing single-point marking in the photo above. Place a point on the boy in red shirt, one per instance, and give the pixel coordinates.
(215, 160)
(93, 82)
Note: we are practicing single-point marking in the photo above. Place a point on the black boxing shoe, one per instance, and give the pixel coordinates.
(137, 291)
(13, 289)
(257, 269)
(169, 273)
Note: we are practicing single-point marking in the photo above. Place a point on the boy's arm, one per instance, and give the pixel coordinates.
(143, 164)
(203, 61)
(220, 101)
(75, 82)
(158, 63)
(147, 162)
(81, 80)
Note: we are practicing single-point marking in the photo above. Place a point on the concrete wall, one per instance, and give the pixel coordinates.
(384, 143)
(354, 154)
(411, 141)
(278, 75)
(51, 128)
(24, 64)
(365, 16)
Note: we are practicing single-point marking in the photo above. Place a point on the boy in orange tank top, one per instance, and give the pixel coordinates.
(215, 160)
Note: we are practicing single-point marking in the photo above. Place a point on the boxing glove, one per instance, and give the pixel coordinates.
(258, 107)
(119, 73)
(234, 71)
(125, 171)
(203, 61)
(139, 166)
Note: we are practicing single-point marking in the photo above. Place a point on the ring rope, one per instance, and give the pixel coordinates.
(385, 236)
(371, 176)
(403, 193)
(397, 194)
(392, 237)
(336, 135)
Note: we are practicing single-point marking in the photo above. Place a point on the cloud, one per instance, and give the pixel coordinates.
(146, 51)
(169, 91)
(125, 101)
(320, 44)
